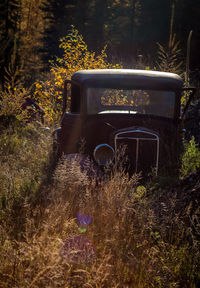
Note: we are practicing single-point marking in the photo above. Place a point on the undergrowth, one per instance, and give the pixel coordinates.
(23, 160)
(190, 158)
(65, 231)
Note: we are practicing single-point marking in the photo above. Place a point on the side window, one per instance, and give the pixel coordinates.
(75, 99)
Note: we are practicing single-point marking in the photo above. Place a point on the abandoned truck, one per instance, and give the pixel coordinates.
(114, 108)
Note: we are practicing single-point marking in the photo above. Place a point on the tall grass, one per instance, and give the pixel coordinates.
(129, 235)
(136, 236)
(23, 168)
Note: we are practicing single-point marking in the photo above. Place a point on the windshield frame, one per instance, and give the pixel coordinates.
(174, 115)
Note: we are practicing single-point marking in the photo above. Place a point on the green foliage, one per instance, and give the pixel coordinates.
(190, 158)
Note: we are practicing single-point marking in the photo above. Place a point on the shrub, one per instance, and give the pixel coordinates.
(11, 101)
(76, 57)
(12, 94)
(190, 158)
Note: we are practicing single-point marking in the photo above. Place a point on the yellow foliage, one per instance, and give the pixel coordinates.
(76, 57)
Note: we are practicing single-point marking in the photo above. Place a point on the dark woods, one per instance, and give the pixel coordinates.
(30, 30)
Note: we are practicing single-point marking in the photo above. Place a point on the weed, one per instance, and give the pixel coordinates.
(190, 158)
(131, 245)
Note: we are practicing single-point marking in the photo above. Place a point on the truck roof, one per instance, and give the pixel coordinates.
(128, 79)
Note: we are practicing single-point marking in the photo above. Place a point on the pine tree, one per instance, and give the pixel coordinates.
(9, 33)
(32, 26)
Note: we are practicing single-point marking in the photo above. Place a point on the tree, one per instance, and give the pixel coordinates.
(187, 19)
(58, 16)
(9, 36)
(154, 27)
(97, 40)
(31, 28)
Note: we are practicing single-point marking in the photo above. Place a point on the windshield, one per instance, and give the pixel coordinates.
(107, 100)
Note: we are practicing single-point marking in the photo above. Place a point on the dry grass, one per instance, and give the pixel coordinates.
(133, 240)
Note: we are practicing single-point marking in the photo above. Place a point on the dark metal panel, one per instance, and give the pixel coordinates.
(128, 78)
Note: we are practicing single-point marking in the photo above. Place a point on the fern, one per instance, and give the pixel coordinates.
(169, 58)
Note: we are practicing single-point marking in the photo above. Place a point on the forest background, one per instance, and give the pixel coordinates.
(31, 30)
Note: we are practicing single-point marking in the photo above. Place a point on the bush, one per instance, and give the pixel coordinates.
(76, 57)
(190, 158)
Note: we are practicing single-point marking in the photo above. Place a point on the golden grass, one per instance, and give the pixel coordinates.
(132, 245)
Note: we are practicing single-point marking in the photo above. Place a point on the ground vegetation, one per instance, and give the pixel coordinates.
(57, 227)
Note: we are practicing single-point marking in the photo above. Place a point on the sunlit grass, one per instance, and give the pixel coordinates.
(66, 231)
